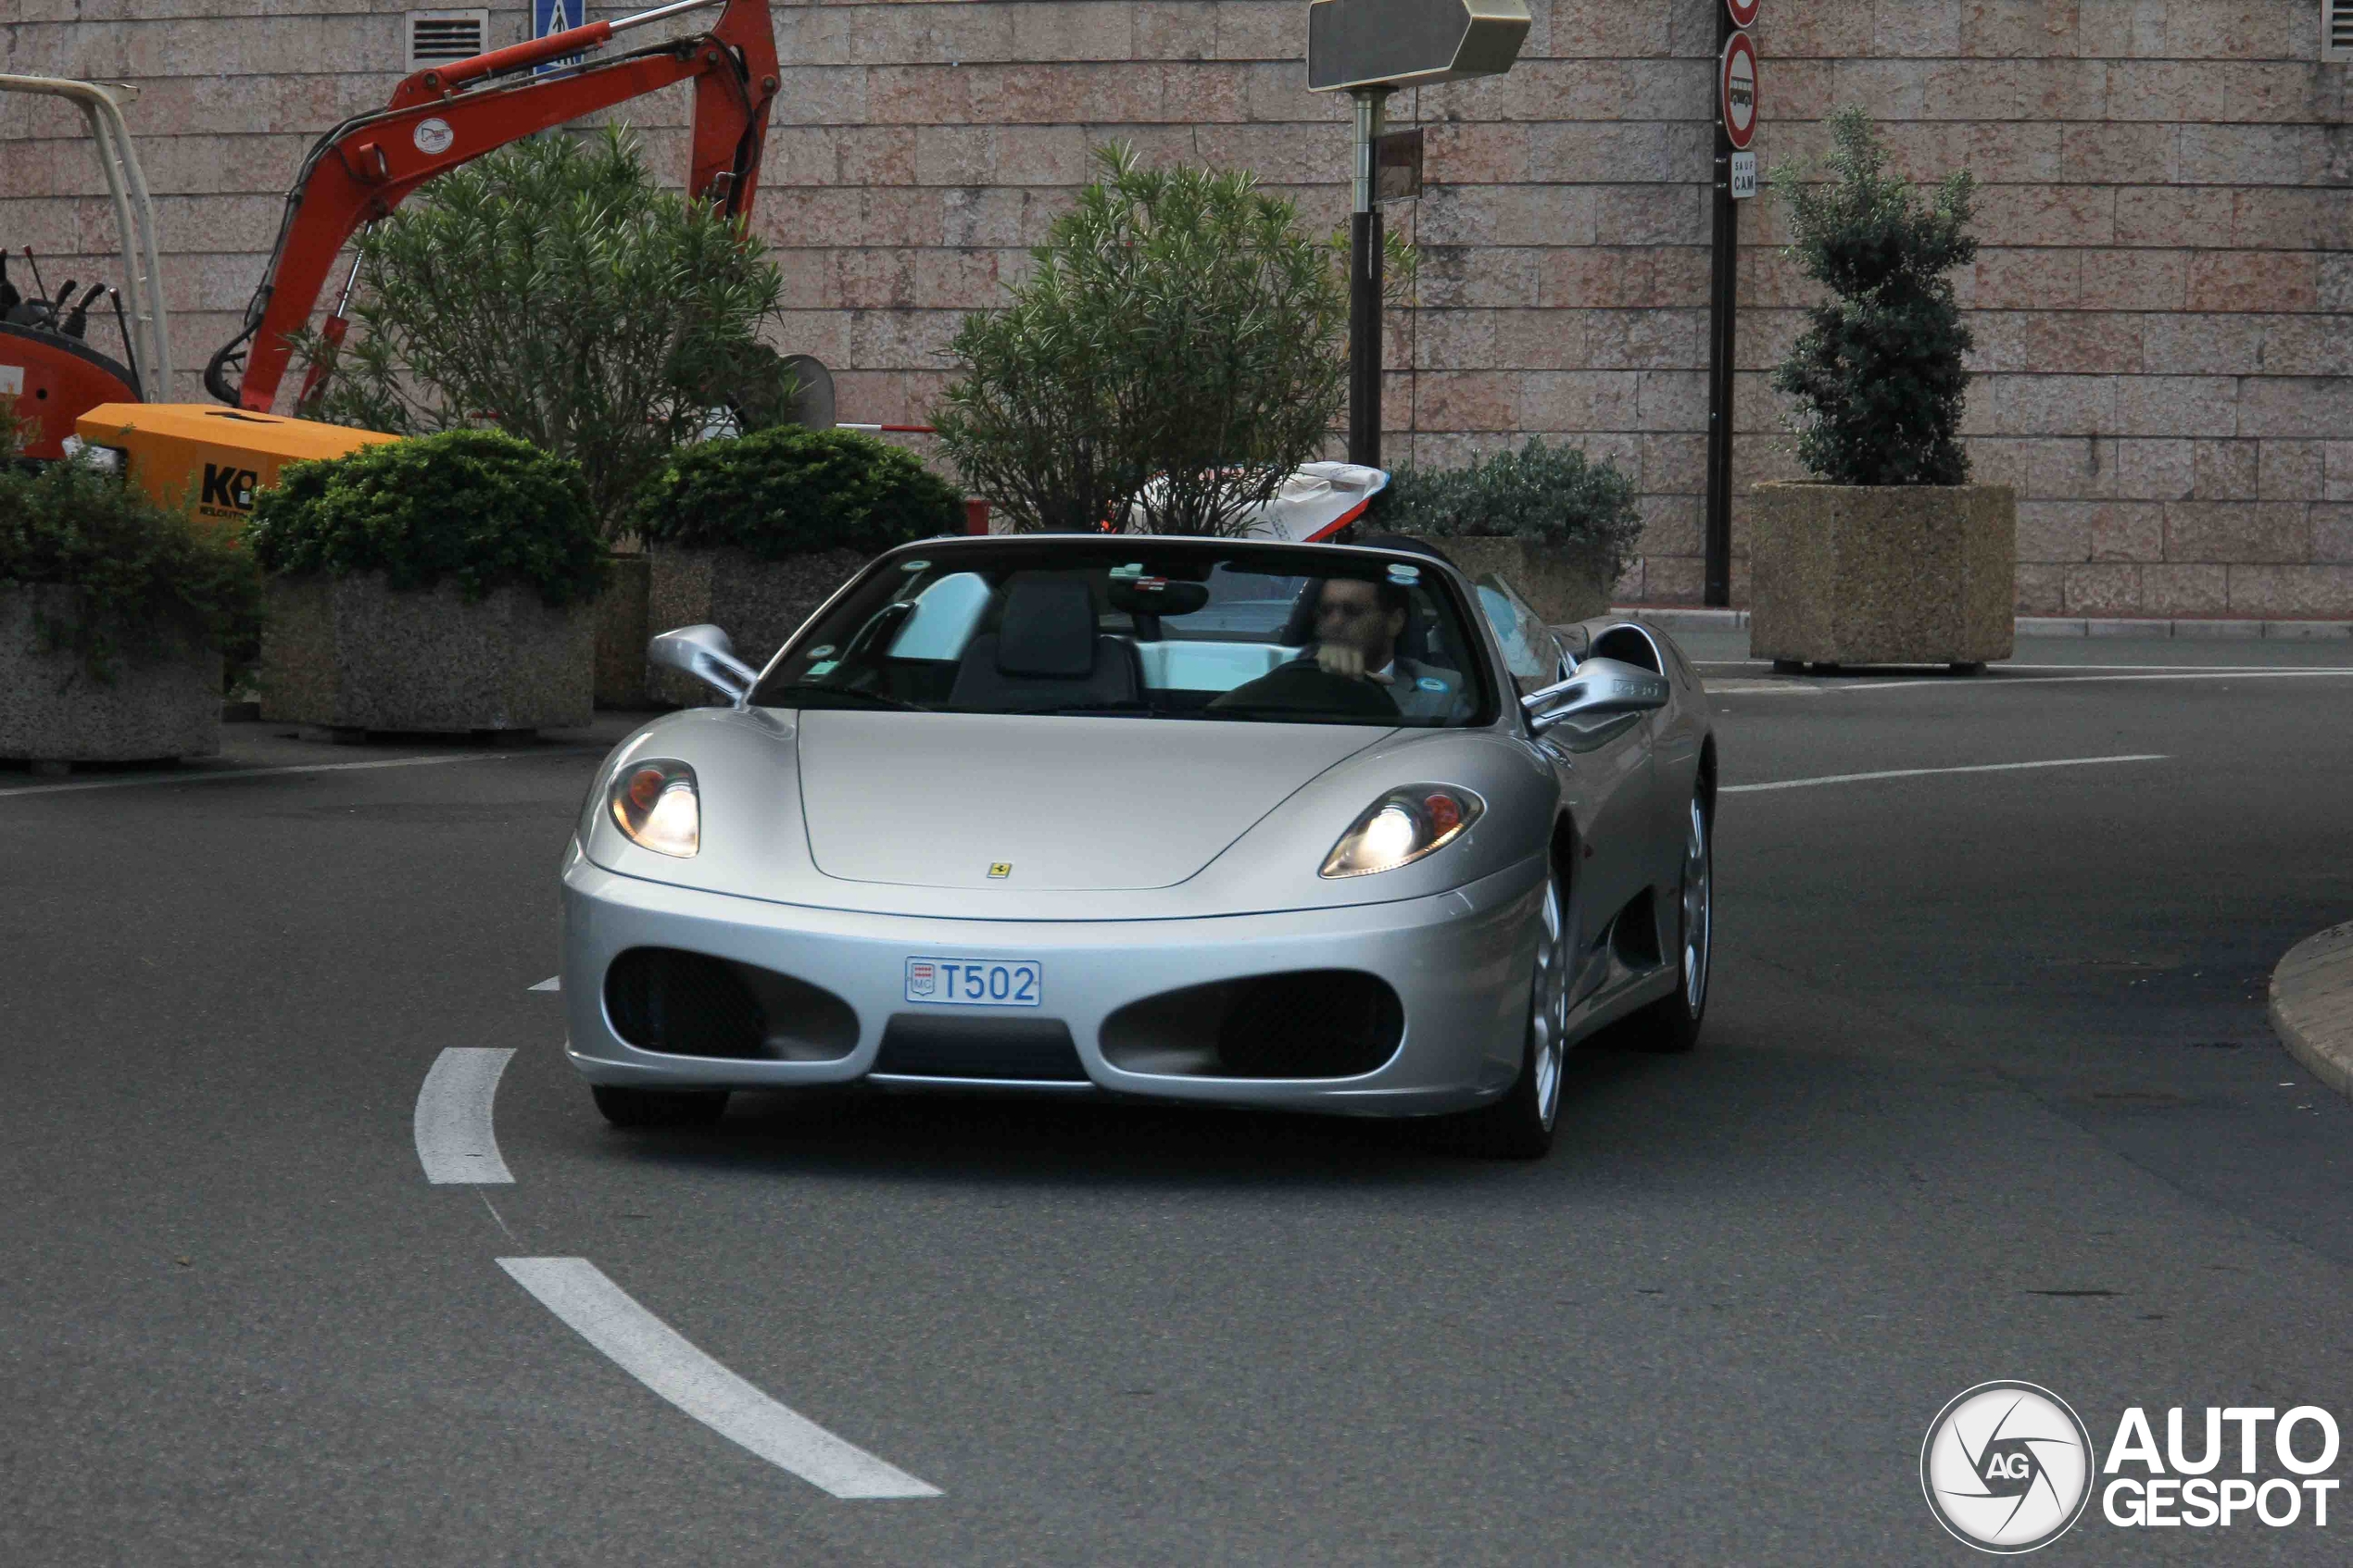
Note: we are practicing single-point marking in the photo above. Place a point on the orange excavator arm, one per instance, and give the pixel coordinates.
(447, 115)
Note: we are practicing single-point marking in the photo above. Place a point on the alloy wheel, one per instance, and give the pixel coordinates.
(1548, 1007)
(1697, 911)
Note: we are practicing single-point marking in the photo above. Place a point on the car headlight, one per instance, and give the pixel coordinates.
(654, 802)
(1402, 827)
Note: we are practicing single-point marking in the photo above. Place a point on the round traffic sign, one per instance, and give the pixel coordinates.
(1737, 97)
(1743, 12)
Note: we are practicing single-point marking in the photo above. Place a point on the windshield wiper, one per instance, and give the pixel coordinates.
(792, 693)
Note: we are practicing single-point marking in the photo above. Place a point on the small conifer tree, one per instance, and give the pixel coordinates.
(1878, 373)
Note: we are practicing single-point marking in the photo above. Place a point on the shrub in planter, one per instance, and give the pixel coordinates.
(442, 583)
(1892, 557)
(1554, 523)
(752, 534)
(113, 615)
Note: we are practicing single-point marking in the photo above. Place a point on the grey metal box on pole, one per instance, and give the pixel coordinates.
(1368, 49)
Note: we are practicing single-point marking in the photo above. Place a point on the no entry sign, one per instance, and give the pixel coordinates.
(1743, 12)
(1737, 99)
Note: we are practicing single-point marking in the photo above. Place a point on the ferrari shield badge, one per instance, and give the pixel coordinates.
(1001, 869)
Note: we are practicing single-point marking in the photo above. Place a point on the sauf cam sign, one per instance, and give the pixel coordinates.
(1743, 176)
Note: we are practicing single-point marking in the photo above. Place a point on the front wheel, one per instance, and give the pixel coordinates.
(1520, 1127)
(1671, 1023)
(658, 1108)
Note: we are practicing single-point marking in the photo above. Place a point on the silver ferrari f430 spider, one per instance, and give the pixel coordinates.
(1310, 827)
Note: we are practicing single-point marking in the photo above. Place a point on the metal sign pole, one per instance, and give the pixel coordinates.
(1368, 49)
(1365, 285)
(1723, 300)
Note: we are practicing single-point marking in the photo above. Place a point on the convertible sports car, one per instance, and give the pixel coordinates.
(1304, 826)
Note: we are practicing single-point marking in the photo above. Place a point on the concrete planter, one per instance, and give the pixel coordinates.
(350, 653)
(757, 603)
(622, 631)
(1855, 574)
(53, 710)
(1562, 585)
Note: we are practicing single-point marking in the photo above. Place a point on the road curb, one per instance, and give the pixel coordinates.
(2312, 1005)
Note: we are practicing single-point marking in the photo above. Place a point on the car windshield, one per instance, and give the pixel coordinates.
(1142, 628)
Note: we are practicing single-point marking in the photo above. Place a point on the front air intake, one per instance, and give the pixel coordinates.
(1034, 1050)
(691, 1004)
(1305, 1023)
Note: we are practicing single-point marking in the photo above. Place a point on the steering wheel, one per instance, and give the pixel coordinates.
(1305, 686)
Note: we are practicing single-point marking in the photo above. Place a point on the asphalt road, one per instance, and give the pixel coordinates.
(1986, 1092)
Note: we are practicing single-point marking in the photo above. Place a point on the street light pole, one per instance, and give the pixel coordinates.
(1365, 286)
(1723, 314)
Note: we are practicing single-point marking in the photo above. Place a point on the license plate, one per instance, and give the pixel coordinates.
(976, 983)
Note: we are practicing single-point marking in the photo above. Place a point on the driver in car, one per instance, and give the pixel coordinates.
(1357, 625)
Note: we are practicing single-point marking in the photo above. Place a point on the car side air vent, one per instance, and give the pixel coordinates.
(435, 38)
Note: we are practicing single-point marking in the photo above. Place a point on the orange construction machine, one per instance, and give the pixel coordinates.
(441, 118)
(356, 175)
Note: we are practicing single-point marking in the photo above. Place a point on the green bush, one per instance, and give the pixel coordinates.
(474, 507)
(789, 491)
(1179, 331)
(16, 433)
(154, 583)
(1878, 374)
(1549, 495)
(553, 290)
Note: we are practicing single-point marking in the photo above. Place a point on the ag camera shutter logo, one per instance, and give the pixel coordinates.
(2006, 1467)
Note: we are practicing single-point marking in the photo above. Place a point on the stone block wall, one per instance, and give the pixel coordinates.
(2157, 308)
(2161, 351)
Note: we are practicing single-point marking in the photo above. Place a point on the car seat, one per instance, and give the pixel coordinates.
(1045, 653)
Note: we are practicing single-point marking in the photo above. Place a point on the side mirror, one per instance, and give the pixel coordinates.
(1600, 687)
(705, 653)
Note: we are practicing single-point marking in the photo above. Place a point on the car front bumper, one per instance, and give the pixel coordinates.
(1459, 962)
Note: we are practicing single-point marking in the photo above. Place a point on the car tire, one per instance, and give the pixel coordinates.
(1671, 1023)
(658, 1108)
(1520, 1126)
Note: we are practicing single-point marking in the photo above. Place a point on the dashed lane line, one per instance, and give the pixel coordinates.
(1925, 772)
(553, 983)
(661, 1359)
(457, 1142)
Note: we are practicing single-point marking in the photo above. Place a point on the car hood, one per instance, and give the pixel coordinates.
(1062, 804)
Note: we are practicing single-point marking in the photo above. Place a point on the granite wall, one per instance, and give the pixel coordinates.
(2157, 307)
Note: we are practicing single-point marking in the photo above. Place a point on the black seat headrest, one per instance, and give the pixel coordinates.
(1048, 631)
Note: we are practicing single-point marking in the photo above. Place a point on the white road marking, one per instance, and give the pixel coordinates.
(1735, 686)
(1924, 772)
(214, 775)
(659, 1357)
(455, 1140)
(553, 983)
(2005, 666)
(1983, 684)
